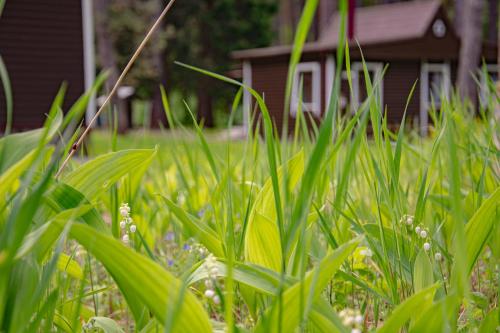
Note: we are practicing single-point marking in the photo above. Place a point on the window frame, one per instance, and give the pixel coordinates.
(314, 106)
(357, 73)
(425, 69)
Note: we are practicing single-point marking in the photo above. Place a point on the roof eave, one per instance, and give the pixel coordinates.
(273, 51)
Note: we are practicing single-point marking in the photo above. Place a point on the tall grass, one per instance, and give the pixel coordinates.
(330, 231)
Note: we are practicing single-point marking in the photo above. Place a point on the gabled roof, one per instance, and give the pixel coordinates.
(385, 23)
(373, 25)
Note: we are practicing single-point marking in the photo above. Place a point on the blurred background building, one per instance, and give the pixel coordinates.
(45, 43)
(41, 44)
(402, 43)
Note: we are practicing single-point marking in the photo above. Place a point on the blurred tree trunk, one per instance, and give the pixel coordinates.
(158, 115)
(107, 59)
(285, 21)
(492, 20)
(458, 19)
(205, 112)
(470, 49)
(204, 84)
(157, 112)
(325, 11)
(296, 6)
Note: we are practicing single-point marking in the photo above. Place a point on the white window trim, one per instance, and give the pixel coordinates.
(247, 97)
(425, 69)
(329, 77)
(484, 83)
(353, 95)
(357, 72)
(315, 107)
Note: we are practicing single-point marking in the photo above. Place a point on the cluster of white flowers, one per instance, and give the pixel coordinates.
(89, 326)
(212, 270)
(181, 198)
(366, 252)
(353, 319)
(407, 219)
(127, 224)
(424, 234)
(198, 249)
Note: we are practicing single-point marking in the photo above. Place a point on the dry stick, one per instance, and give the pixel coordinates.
(115, 87)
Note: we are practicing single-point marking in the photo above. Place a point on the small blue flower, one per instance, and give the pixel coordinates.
(170, 236)
(170, 262)
(186, 247)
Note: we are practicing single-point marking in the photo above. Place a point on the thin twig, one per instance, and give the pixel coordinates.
(115, 87)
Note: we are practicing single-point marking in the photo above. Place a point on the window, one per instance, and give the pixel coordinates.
(359, 84)
(434, 85)
(346, 96)
(329, 77)
(308, 78)
(486, 94)
(439, 28)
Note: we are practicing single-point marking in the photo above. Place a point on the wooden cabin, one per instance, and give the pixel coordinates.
(43, 44)
(415, 39)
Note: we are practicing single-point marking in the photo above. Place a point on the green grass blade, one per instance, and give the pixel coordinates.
(143, 279)
(406, 310)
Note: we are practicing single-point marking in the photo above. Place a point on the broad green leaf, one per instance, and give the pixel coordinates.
(11, 175)
(262, 239)
(42, 239)
(490, 322)
(494, 241)
(265, 281)
(18, 145)
(107, 325)
(70, 266)
(298, 298)
(262, 242)
(144, 280)
(97, 175)
(440, 317)
(260, 279)
(198, 229)
(63, 197)
(480, 226)
(423, 275)
(15, 147)
(418, 302)
(62, 323)
(152, 327)
(325, 319)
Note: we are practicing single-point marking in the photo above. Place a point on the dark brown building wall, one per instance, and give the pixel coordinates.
(398, 81)
(269, 77)
(41, 45)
